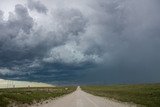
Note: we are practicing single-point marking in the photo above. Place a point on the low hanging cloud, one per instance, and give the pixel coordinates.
(112, 40)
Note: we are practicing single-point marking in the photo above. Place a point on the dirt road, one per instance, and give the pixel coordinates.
(80, 98)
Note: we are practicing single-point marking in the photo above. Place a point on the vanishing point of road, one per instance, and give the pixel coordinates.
(80, 98)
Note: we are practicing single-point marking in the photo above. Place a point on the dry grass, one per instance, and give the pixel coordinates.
(144, 94)
(28, 96)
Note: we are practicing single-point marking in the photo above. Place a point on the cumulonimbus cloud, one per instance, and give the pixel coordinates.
(115, 35)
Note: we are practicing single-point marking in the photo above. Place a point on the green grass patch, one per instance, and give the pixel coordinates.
(29, 95)
(143, 94)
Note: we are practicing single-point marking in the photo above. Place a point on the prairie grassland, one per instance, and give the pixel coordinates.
(143, 94)
(30, 95)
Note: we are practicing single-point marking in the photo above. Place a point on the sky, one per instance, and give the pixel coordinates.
(80, 41)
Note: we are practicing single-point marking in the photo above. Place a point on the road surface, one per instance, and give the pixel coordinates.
(80, 98)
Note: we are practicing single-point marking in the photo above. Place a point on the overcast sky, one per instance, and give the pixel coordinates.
(80, 41)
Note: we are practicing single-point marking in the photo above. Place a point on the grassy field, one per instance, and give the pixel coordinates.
(30, 95)
(144, 94)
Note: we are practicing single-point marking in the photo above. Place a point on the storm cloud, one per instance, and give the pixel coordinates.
(115, 41)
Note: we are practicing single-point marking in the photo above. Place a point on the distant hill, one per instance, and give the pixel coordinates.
(19, 84)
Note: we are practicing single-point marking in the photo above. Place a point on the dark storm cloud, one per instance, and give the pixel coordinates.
(107, 41)
(15, 47)
(18, 24)
(24, 45)
(38, 6)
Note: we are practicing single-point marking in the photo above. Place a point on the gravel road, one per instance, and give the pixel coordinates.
(80, 98)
